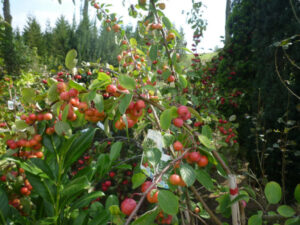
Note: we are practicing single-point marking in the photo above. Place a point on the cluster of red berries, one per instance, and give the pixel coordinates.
(191, 157)
(133, 113)
(34, 143)
(183, 115)
(164, 219)
(32, 118)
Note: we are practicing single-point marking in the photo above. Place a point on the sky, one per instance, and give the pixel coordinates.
(43, 10)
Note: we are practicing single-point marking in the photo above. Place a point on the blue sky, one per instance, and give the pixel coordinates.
(50, 10)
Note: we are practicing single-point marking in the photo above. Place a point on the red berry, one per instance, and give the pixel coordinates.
(32, 117)
(194, 156)
(24, 190)
(65, 96)
(145, 186)
(111, 89)
(48, 116)
(203, 161)
(3, 178)
(178, 122)
(140, 104)
(177, 146)
(112, 174)
(107, 183)
(73, 92)
(127, 206)
(175, 179)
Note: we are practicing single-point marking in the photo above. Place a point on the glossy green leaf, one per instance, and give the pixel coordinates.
(153, 52)
(167, 116)
(138, 179)
(63, 128)
(206, 142)
(28, 95)
(4, 209)
(147, 218)
(99, 103)
(127, 82)
(167, 23)
(86, 199)
(111, 200)
(124, 103)
(115, 151)
(71, 60)
(204, 178)
(207, 132)
(182, 81)
(79, 146)
(188, 174)
(21, 125)
(168, 202)
(286, 211)
(52, 93)
(255, 220)
(293, 221)
(273, 192)
(77, 86)
(75, 187)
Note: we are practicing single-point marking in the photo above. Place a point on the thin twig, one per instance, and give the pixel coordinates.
(200, 199)
(280, 78)
(159, 176)
(194, 214)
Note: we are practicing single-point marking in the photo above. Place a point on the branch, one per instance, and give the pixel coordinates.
(159, 176)
(280, 78)
(200, 199)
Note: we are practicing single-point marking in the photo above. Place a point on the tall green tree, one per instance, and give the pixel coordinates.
(33, 35)
(7, 47)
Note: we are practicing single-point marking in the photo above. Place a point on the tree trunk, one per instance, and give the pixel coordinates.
(228, 9)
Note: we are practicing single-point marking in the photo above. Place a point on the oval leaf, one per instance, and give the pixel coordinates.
(188, 175)
(168, 202)
(138, 179)
(297, 193)
(286, 211)
(127, 82)
(273, 192)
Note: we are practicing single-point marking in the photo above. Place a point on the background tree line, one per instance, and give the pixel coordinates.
(21, 50)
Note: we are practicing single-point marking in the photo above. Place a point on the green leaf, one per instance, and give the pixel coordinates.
(255, 220)
(168, 202)
(147, 218)
(124, 103)
(167, 23)
(21, 125)
(167, 116)
(71, 60)
(63, 128)
(153, 52)
(99, 103)
(204, 178)
(52, 93)
(138, 179)
(133, 42)
(86, 199)
(104, 77)
(153, 155)
(115, 151)
(111, 200)
(286, 211)
(127, 82)
(75, 187)
(28, 95)
(188, 175)
(273, 192)
(79, 146)
(206, 142)
(65, 113)
(77, 86)
(4, 209)
(297, 193)
(195, 113)
(293, 221)
(182, 81)
(166, 74)
(103, 164)
(207, 132)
